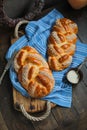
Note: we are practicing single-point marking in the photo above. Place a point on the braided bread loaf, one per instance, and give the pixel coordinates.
(33, 72)
(61, 44)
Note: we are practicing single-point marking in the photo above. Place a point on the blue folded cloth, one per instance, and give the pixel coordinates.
(36, 35)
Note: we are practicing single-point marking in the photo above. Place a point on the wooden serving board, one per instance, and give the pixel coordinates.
(30, 104)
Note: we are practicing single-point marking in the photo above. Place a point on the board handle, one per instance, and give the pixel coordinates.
(16, 31)
(33, 118)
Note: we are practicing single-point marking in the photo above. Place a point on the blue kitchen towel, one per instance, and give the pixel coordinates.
(36, 35)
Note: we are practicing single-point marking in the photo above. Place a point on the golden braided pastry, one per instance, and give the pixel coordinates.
(61, 44)
(33, 72)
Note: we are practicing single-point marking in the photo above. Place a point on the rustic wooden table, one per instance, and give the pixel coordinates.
(74, 118)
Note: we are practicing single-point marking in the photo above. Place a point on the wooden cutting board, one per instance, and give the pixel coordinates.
(30, 104)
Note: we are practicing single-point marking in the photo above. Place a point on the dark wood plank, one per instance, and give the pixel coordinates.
(2, 123)
(74, 118)
(14, 120)
(49, 123)
(82, 123)
(69, 118)
(84, 71)
(66, 117)
(79, 99)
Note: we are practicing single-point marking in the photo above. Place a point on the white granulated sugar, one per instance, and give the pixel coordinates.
(73, 76)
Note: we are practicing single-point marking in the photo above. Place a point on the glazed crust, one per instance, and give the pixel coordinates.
(62, 44)
(33, 72)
